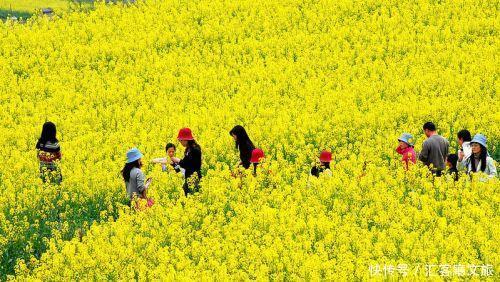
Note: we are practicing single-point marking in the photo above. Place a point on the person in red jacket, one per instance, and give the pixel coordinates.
(405, 148)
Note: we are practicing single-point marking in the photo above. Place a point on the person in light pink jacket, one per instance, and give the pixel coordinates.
(405, 148)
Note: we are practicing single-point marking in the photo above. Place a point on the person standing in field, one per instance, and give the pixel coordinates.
(479, 160)
(324, 164)
(405, 149)
(134, 177)
(464, 138)
(256, 159)
(49, 154)
(434, 150)
(191, 161)
(243, 144)
(167, 161)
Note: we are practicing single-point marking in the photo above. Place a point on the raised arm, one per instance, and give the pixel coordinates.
(159, 161)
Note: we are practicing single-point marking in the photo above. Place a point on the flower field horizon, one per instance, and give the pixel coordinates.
(301, 76)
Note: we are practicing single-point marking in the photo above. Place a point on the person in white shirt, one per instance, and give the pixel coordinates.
(464, 138)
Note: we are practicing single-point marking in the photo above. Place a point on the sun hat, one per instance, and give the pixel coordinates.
(185, 134)
(257, 154)
(133, 155)
(480, 139)
(407, 138)
(325, 157)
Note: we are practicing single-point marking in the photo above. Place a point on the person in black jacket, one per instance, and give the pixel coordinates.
(243, 144)
(191, 162)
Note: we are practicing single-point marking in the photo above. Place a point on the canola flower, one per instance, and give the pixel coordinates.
(301, 76)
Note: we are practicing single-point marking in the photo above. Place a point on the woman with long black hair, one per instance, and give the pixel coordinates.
(49, 154)
(191, 162)
(479, 161)
(133, 176)
(243, 144)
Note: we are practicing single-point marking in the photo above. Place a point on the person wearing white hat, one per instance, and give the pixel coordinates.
(480, 161)
(133, 175)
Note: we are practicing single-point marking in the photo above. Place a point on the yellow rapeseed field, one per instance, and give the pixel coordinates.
(301, 76)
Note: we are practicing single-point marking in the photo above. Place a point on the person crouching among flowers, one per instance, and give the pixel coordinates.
(324, 164)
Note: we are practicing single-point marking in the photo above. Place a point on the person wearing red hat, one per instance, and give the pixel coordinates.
(324, 164)
(191, 163)
(256, 158)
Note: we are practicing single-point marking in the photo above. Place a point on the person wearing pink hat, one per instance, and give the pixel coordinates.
(324, 164)
(256, 158)
(191, 163)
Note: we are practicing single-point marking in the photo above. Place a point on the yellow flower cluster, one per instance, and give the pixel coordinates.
(301, 76)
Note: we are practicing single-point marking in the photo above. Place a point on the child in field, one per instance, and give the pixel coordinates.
(256, 158)
(49, 154)
(324, 164)
(451, 163)
(405, 149)
(134, 178)
(191, 161)
(167, 161)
